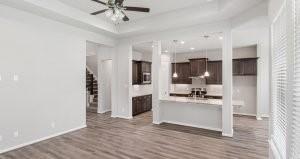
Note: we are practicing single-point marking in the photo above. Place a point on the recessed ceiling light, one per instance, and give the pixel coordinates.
(192, 48)
(221, 37)
(152, 46)
(182, 42)
(166, 51)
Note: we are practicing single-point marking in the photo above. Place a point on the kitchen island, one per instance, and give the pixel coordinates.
(194, 112)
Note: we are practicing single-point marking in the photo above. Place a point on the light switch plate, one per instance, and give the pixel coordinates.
(53, 125)
(16, 134)
(1, 138)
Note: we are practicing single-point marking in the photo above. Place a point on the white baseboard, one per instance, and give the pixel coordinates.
(227, 135)
(191, 125)
(156, 122)
(41, 139)
(245, 114)
(122, 117)
(265, 115)
(104, 111)
(259, 118)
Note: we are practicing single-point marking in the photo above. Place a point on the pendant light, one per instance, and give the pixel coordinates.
(175, 75)
(206, 74)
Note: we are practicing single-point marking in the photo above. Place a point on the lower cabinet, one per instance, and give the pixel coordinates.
(141, 104)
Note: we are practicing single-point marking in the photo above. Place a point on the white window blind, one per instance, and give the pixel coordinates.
(295, 136)
(279, 82)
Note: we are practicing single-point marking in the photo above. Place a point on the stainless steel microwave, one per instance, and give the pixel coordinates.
(146, 78)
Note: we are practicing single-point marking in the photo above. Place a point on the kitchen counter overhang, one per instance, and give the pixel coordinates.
(192, 100)
(206, 114)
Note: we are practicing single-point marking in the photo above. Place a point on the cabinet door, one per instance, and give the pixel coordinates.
(135, 73)
(183, 71)
(212, 68)
(149, 102)
(236, 67)
(219, 72)
(146, 67)
(250, 66)
(215, 72)
(194, 68)
(134, 106)
(198, 67)
(145, 104)
(139, 105)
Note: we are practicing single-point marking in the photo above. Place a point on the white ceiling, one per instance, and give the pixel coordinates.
(198, 44)
(244, 35)
(156, 6)
(165, 15)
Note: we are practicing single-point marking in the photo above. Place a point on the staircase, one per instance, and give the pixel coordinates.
(92, 88)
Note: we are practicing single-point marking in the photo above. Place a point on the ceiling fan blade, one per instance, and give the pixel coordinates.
(120, 2)
(99, 2)
(98, 12)
(137, 9)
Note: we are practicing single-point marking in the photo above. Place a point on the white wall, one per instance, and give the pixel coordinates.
(244, 87)
(49, 59)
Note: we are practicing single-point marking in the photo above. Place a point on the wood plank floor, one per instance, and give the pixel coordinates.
(109, 138)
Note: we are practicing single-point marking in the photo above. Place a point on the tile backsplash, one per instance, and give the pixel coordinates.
(186, 88)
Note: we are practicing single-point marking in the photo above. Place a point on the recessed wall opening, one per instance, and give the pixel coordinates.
(98, 78)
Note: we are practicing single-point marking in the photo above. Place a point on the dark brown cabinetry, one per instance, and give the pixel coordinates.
(141, 104)
(183, 72)
(138, 69)
(244, 67)
(146, 67)
(215, 70)
(198, 67)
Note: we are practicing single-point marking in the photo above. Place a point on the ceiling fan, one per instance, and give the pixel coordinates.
(116, 9)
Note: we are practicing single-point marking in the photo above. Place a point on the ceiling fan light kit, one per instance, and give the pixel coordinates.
(116, 10)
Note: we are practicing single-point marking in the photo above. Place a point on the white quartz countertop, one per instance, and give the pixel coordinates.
(200, 101)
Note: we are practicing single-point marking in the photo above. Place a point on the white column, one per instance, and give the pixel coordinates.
(156, 63)
(227, 115)
(123, 67)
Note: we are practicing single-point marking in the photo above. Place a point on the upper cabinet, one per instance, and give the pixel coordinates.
(139, 68)
(215, 70)
(183, 72)
(198, 67)
(146, 67)
(244, 67)
(136, 69)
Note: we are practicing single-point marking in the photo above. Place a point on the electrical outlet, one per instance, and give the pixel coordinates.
(53, 125)
(16, 77)
(16, 134)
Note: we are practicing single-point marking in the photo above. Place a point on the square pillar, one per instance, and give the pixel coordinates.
(156, 63)
(227, 108)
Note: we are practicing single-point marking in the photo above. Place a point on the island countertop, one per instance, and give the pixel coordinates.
(199, 101)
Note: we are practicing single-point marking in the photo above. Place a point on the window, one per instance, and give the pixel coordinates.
(279, 82)
(285, 123)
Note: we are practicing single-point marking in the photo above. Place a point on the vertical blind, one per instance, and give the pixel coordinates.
(286, 73)
(295, 122)
(279, 82)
